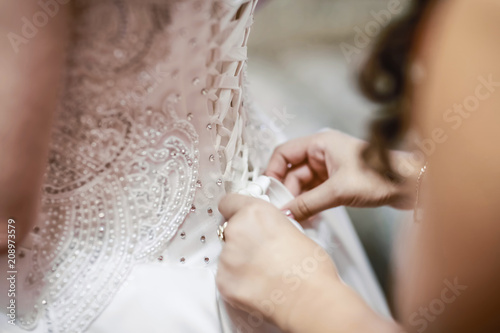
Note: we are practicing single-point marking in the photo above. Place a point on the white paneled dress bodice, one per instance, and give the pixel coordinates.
(149, 135)
(153, 128)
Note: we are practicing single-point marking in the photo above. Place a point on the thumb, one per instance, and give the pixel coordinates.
(312, 202)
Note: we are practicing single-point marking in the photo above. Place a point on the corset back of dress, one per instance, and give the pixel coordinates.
(149, 134)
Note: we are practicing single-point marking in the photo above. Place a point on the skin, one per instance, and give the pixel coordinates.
(253, 267)
(29, 89)
(459, 238)
(327, 172)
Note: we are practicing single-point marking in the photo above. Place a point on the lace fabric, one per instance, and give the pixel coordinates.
(151, 128)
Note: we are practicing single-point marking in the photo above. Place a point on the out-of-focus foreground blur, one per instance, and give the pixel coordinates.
(303, 58)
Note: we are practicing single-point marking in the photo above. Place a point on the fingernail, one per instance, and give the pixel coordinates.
(288, 213)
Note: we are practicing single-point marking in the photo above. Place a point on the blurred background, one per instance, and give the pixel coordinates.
(303, 58)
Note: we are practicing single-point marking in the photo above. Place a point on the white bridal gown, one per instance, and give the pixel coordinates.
(153, 128)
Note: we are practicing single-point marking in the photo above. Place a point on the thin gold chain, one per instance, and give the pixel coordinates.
(416, 216)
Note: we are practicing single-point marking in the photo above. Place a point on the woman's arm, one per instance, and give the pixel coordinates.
(267, 265)
(32, 62)
(451, 272)
(450, 284)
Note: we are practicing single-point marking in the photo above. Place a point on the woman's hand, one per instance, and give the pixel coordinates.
(267, 264)
(325, 170)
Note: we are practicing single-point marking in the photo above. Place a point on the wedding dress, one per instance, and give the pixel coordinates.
(153, 128)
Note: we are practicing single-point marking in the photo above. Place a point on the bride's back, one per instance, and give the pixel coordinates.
(149, 133)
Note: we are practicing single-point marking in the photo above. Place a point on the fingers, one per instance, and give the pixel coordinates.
(298, 179)
(232, 203)
(312, 202)
(292, 152)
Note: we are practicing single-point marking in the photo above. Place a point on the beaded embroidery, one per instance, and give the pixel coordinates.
(124, 162)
